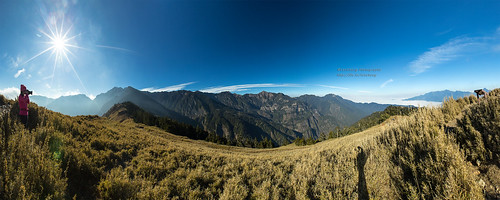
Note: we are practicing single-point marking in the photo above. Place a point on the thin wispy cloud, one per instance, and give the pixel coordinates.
(19, 72)
(244, 87)
(11, 61)
(445, 31)
(452, 50)
(440, 54)
(168, 88)
(48, 77)
(115, 48)
(15, 62)
(334, 87)
(386, 82)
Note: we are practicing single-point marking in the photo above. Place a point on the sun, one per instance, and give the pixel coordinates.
(59, 44)
(59, 41)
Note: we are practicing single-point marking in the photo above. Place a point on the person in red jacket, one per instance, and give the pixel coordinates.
(23, 104)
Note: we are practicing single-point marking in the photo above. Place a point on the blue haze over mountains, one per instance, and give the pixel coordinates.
(439, 96)
(276, 116)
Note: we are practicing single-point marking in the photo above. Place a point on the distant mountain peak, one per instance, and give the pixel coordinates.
(76, 95)
(226, 93)
(115, 89)
(130, 88)
(271, 94)
(332, 96)
(439, 96)
(266, 93)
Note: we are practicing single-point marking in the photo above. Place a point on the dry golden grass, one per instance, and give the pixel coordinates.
(410, 157)
(199, 169)
(326, 170)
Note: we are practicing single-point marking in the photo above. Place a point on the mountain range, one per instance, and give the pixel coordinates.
(276, 116)
(439, 96)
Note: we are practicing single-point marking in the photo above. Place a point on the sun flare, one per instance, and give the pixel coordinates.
(60, 44)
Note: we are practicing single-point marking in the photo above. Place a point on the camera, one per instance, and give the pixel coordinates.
(28, 92)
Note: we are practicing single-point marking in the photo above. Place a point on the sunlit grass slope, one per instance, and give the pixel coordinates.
(433, 153)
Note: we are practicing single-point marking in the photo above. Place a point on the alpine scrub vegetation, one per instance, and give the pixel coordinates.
(28, 168)
(448, 152)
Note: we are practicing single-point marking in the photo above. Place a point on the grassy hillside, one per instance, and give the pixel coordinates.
(367, 122)
(443, 153)
(128, 110)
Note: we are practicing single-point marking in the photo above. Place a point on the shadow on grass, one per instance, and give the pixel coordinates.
(360, 163)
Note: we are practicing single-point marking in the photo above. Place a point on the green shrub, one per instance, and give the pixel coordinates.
(27, 170)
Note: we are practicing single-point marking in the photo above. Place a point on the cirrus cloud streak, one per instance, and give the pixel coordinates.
(452, 50)
(244, 87)
(168, 88)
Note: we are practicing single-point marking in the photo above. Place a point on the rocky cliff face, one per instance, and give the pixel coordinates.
(308, 114)
(278, 108)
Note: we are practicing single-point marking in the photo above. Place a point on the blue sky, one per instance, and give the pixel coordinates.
(295, 47)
